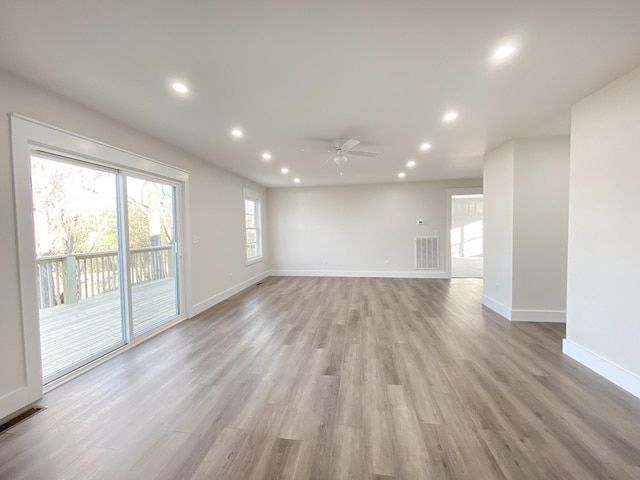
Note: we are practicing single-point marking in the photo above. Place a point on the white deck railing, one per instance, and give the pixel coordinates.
(69, 278)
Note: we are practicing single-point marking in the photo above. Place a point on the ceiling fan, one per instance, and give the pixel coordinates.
(343, 146)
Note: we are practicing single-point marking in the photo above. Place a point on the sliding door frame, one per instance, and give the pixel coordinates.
(178, 256)
(29, 136)
(50, 156)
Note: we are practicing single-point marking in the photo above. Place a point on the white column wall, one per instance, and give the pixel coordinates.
(540, 223)
(498, 184)
(603, 324)
(526, 188)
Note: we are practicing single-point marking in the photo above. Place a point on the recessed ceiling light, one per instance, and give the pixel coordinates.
(296, 180)
(503, 52)
(236, 132)
(180, 87)
(266, 156)
(284, 170)
(450, 117)
(411, 163)
(425, 146)
(402, 175)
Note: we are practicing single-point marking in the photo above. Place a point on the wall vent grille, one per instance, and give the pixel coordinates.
(21, 418)
(426, 254)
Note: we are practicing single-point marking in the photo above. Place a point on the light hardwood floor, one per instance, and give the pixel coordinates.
(336, 378)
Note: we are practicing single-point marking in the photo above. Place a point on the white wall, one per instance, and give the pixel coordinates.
(498, 229)
(526, 190)
(216, 215)
(355, 230)
(540, 223)
(603, 324)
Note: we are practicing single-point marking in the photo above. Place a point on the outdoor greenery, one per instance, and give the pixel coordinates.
(75, 209)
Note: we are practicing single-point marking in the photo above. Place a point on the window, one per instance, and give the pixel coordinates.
(252, 226)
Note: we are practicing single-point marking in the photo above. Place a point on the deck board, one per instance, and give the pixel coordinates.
(71, 332)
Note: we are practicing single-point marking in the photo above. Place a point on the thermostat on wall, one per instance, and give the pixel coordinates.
(419, 222)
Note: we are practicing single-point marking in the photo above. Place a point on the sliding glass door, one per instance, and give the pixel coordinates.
(92, 225)
(151, 207)
(75, 212)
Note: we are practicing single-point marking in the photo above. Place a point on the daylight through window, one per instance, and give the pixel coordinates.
(253, 233)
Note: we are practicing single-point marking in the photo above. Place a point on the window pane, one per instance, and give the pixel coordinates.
(152, 267)
(252, 225)
(75, 211)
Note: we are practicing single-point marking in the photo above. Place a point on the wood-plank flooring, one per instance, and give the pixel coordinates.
(336, 378)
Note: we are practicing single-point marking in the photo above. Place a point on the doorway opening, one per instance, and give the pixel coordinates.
(466, 234)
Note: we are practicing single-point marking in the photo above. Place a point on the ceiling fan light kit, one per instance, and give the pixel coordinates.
(343, 146)
(340, 158)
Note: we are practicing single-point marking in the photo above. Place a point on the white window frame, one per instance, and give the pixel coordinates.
(256, 197)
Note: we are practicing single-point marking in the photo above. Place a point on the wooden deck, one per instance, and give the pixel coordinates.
(72, 332)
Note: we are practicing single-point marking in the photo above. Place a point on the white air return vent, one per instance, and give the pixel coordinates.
(427, 253)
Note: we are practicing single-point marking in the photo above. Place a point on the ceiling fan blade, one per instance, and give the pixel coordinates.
(346, 143)
(315, 150)
(361, 154)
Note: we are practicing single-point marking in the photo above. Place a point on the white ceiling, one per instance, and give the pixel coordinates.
(290, 72)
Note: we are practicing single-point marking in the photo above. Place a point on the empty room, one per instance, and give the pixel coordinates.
(319, 240)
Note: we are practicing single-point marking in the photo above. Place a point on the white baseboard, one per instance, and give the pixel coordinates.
(360, 273)
(543, 316)
(547, 316)
(497, 307)
(609, 370)
(212, 301)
